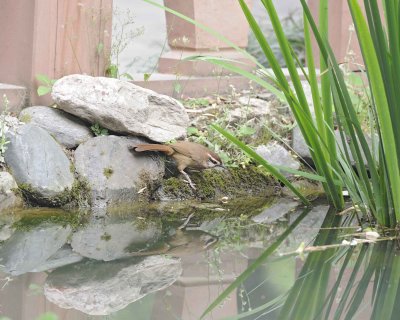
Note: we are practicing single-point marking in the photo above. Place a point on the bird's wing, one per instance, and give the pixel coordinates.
(189, 149)
(154, 147)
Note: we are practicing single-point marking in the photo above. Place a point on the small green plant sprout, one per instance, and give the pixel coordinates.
(99, 131)
(46, 84)
(3, 139)
(108, 172)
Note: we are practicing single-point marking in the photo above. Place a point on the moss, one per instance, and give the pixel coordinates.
(34, 217)
(26, 118)
(106, 237)
(143, 213)
(77, 196)
(72, 168)
(211, 184)
(108, 172)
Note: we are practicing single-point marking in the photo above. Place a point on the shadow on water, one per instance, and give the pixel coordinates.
(133, 265)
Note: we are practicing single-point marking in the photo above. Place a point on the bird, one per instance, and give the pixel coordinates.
(186, 154)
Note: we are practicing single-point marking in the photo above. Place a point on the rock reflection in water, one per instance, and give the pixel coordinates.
(109, 238)
(99, 288)
(25, 250)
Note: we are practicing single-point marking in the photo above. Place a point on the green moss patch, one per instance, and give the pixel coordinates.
(213, 184)
(77, 196)
(33, 217)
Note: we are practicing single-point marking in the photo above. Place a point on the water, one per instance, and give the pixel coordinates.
(133, 265)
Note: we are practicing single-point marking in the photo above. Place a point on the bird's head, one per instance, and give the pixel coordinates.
(214, 160)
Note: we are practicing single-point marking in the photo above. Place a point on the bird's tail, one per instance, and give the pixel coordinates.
(153, 147)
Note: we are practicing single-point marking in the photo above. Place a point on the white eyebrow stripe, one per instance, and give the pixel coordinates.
(212, 158)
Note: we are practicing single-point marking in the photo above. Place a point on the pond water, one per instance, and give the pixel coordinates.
(60, 265)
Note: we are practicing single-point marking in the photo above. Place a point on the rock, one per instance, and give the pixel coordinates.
(65, 128)
(300, 146)
(110, 240)
(25, 250)
(39, 165)
(8, 199)
(10, 123)
(99, 288)
(64, 256)
(114, 173)
(121, 106)
(276, 211)
(277, 155)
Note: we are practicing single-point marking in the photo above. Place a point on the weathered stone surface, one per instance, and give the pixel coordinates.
(25, 250)
(109, 240)
(114, 173)
(299, 145)
(67, 129)
(277, 155)
(121, 107)
(99, 288)
(38, 164)
(7, 197)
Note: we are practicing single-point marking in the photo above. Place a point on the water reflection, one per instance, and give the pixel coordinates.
(125, 267)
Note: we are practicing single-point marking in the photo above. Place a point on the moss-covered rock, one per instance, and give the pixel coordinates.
(78, 196)
(214, 184)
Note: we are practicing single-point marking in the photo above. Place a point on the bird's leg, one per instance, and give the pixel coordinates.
(192, 185)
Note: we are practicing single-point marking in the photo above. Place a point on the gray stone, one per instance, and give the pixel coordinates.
(114, 173)
(276, 211)
(99, 288)
(301, 148)
(122, 107)
(109, 240)
(25, 250)
(8, 199)
(67, 129)
(277, 155)
(39, 164)
(64, 256)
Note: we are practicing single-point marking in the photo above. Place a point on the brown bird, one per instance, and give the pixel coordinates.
(186, 155)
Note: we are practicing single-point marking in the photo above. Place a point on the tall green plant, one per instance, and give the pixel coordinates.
(372, 180)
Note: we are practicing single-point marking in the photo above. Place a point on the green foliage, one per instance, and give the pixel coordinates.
(46, 84)
(374, 188)
(47, 316)
(98, 130)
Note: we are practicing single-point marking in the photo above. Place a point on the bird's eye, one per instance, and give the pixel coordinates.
(213, 161)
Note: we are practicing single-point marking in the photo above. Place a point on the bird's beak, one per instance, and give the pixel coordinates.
(221, 165)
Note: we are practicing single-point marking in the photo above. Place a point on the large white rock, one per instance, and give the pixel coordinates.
(121, 106)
